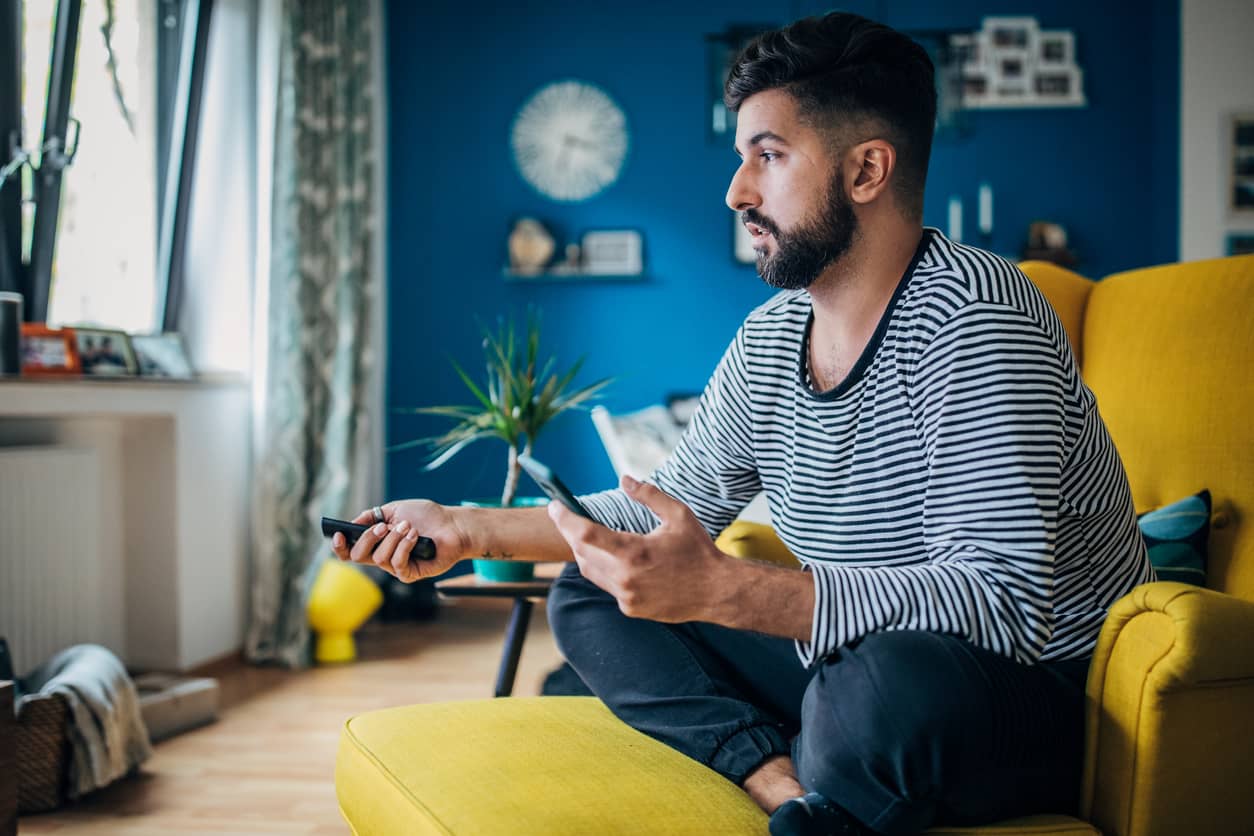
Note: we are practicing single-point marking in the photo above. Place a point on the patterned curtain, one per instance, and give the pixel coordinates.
(322, 289)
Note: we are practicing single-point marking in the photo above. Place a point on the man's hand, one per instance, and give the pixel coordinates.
(389, 543)
(666, 575)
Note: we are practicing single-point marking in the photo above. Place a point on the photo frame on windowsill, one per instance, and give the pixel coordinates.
(104, 352)
(48, 352)
(162, 356)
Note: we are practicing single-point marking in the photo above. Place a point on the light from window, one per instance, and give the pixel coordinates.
(105, 267)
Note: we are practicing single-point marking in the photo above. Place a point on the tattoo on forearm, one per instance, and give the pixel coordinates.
(491, 556)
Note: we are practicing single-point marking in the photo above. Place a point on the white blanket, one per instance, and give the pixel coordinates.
(107, 733)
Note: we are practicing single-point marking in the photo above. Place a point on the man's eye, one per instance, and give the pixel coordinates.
(769, 156)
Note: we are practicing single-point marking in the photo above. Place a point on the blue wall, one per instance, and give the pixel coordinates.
(457, 73)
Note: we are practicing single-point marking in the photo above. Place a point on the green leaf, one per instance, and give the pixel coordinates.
(450, 452)
(470, 384)
(448, 411)
(517, 398)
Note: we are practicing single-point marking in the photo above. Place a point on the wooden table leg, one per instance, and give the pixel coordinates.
(514, 636)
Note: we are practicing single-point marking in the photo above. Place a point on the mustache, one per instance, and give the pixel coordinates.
(756, 218)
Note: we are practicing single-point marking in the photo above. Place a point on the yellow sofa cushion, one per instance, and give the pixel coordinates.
(557, 766)
(1168, 352)
(754, 541)
(552, 765)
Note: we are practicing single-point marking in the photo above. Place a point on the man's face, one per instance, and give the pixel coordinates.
(788, 190)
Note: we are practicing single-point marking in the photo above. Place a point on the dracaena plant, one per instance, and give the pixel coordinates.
(519, 398)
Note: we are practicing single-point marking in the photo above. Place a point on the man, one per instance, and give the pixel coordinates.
(913, 412)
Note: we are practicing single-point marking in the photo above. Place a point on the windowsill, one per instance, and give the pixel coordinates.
(68, 396)
(203, 381)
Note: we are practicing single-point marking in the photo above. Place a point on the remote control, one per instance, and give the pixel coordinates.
(423, 549)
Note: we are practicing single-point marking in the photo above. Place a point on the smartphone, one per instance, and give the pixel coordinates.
(423, 549)
(551, 485)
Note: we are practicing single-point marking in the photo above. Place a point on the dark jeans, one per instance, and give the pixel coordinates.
(904, 729)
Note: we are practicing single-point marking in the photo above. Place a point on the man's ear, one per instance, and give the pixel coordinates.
(872, 164)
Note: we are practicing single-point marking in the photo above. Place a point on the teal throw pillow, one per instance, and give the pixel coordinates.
(1176, 536)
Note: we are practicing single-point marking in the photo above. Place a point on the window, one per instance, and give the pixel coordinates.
(125, 128)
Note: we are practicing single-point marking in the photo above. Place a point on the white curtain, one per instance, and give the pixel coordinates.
(318, 332)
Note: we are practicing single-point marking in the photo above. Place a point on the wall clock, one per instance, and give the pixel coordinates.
(569, 140)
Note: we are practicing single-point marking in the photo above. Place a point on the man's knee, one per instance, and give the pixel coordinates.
(899, 684)
(879, 713)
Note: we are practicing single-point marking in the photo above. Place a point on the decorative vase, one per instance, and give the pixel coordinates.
(340, 601)
(506, 571)
(530, 247)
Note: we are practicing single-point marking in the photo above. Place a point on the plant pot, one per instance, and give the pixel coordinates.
(506, 571)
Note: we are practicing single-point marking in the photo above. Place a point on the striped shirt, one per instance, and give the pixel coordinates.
(959, 480)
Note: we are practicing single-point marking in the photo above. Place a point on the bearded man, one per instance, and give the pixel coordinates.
(912, 409)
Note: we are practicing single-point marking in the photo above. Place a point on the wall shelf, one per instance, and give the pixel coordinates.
(570, 276)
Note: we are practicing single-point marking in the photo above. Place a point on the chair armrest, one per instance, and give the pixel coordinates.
(1171, 694)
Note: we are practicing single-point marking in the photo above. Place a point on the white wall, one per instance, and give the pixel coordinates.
(1216, 80)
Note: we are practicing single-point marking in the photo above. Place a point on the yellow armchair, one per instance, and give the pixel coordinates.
(1169, 352)
(1170, 711)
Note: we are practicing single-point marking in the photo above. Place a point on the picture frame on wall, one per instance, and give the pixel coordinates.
(1020, 65)
(1241, 243)
(104, 352)
(974, 88)
(1012, 75)
(965, 50)
(1060, 85)
(48, 352)
(1012, 34)
(1056, 49)
(1241, 166)
(612, 252)
(162, 356)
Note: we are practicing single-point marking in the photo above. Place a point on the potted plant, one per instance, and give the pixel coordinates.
(518, 400)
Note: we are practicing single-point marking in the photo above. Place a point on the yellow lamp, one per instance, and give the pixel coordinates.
(341, 600)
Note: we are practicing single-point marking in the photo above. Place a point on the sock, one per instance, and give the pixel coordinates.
(813, 815)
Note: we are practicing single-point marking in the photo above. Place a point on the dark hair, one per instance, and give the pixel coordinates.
(845, 68)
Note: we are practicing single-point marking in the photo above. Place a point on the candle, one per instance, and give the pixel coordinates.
(986, 209)
(955, 219)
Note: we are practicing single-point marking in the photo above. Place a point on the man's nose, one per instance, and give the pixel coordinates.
(740, 194)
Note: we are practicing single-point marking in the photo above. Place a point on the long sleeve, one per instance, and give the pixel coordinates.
(988, 399)
(712, 468)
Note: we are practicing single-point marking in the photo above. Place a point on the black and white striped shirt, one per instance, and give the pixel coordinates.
(959, 480)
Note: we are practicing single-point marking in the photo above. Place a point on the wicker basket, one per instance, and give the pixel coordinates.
(42, 752)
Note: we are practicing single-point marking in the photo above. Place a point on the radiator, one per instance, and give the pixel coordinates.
(50, 567)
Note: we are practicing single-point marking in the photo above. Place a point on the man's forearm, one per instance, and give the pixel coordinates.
(763, 597)
(525, 534)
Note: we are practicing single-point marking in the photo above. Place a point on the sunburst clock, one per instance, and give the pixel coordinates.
(570, 140)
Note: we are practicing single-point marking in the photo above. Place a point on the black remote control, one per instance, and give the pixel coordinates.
(424, 548)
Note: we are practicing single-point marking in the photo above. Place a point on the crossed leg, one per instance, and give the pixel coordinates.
(902, 729)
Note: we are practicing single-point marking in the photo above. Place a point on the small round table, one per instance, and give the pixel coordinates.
(524, 593)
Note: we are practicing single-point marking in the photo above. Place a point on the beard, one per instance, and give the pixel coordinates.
(804, 252)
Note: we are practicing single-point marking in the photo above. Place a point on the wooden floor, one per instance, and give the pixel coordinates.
(267, 765)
